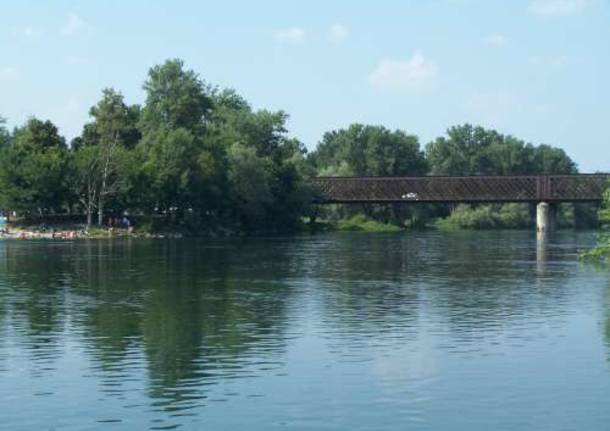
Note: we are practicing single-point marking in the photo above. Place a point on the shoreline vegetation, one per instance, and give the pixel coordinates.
(198, 160)
(461, 218)
(601, 253)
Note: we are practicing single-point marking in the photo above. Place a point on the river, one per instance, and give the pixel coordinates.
(420, 331)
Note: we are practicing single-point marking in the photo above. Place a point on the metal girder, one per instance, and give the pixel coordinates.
(527, 188)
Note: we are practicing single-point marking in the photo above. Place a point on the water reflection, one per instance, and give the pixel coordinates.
(156, 333)
(375, 285)
(542, 252)
(194, 314)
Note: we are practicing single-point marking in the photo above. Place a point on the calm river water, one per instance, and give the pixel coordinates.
(418, 331)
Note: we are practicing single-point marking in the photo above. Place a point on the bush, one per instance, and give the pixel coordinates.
(361, 223)
(602, 251)
(508, 216)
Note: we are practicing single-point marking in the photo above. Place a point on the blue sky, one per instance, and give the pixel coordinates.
(537, 69)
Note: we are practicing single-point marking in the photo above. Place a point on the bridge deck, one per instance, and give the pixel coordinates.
(526, 188)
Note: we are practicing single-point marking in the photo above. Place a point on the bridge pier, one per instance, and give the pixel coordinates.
(546, 217)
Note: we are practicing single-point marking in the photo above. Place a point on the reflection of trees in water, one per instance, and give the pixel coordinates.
(195, 314)
(469, 284)
(3, 301)
(603, 268)
(33, 300)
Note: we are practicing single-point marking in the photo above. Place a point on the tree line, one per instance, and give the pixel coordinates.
(198, 157)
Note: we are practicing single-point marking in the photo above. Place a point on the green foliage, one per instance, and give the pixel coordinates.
(369, 150)
(602, 251)
(32, 168)
(201, 159)
(4, 142)
(101, 169)
(509, 216)
(38, 136)
(250, 180)
(469, 150)
(604, 212)
(4, 134)
(466, 150)
(176, 98)
(360, 223)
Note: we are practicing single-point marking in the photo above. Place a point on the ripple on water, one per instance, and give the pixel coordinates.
(334, 332)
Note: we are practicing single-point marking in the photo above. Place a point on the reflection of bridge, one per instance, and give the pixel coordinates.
(545, 189)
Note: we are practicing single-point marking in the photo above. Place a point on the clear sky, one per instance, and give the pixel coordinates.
(537, 69)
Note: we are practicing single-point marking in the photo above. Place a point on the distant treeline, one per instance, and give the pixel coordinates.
(199, 158)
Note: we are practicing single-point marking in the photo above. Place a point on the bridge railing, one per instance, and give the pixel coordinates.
(527, 188)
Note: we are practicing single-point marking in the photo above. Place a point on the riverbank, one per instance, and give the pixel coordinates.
(74, 232)
(465, 220)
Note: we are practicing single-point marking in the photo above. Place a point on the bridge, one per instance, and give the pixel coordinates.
(546, 190)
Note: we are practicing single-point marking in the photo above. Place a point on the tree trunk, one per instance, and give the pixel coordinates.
(100, 212)
(89, 217)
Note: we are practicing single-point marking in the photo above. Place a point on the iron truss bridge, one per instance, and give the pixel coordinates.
(473, 189)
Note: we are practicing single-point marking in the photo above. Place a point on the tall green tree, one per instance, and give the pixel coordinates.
(32, 169)
(257, 146)
(470, 150)
(102, 153)
(369, 150)
(175, 98)
(176, 162)
(4, 142)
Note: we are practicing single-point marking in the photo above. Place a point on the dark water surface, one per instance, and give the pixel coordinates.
(464, 331)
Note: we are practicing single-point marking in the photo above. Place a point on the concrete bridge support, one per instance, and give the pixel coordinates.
(546, 217)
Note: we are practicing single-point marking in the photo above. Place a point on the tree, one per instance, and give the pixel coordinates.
(171, 168)
(369, 150)
(115, 127)
(470, 150)
(102, 152)
(549, 161)
(175, 98)
(4, 142)
(257, 142)
(604, 212)
(362, 150)
(250, 179)
(85, 181)
(4, 134)
(602, 250)
(32, 169)
(177, 161)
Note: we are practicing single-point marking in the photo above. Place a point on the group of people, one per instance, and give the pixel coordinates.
(121, 222)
